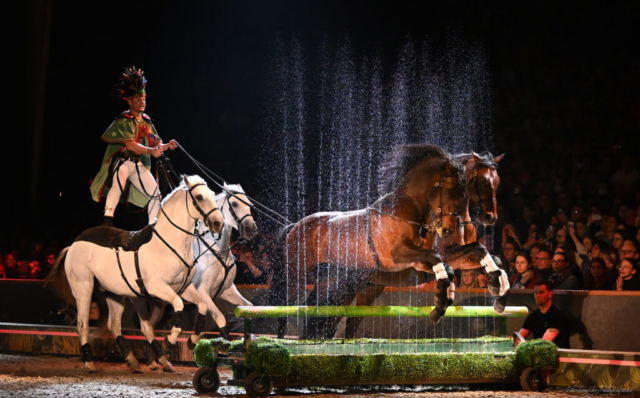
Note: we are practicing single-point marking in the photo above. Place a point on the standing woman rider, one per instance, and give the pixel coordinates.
(126, 164)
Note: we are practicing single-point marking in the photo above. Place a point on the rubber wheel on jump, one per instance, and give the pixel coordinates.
(531, 380)
(258, 385)
(203, 384)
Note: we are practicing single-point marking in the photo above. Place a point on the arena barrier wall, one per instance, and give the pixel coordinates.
(600, 320)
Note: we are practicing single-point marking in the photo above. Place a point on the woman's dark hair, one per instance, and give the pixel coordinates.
(513, 243)
(564, 255)
(633, 262)
(526, 256)
(599, 261)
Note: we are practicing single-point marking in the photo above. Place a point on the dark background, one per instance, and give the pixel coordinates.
(207, 68)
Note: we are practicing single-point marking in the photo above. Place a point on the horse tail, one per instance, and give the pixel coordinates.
(58, 279)
(278, 281)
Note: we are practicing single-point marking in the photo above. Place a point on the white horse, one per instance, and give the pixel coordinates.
(215, 272)
(165, 266)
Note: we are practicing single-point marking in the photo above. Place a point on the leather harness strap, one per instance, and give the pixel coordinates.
(143, 292)
(372, 245)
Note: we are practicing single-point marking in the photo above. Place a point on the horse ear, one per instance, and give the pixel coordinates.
(185, 180)
(477, 158)
(497, 159)
(449, 169)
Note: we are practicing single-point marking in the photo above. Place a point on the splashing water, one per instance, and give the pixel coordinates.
(331, 117)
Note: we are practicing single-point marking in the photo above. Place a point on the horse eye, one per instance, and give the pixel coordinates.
(199, 198)
(234, 204)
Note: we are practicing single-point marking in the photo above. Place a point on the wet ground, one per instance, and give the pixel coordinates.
(50, 376)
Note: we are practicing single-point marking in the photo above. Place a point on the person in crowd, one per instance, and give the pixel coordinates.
(265, 265)
(50, 260)
(598, 277)
(35, 271)
(527, 276)
(547, 322)
(629, 249)
(618, 239)
(627, 279)
(481, 278)
(543, 265)
(248, 271)
(535, 250)
(562, 278)
(609, 227)
(509, 251)
(3, 274)
(468, 279)
(11, 265)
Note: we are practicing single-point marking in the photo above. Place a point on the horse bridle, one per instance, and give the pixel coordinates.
(437, 219)
(440, 215)
(205, 217)
(478, 200)
(237, 219)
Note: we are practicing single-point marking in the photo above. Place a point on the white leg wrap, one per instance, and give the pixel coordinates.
(451, 291)
(488, 264)
(504, 283)
(438, 269)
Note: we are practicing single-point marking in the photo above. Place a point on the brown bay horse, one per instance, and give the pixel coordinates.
(340, 251)
(460, 248)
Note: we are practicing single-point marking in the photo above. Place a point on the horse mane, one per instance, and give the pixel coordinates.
(404, 158)
(233, 188)
(486, 161)
(193, 179)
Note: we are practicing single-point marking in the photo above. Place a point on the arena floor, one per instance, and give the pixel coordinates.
(50, 376)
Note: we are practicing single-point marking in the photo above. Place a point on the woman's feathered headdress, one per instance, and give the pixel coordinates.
(131, 83)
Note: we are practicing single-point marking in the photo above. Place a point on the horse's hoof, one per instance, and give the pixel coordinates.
(435, 315)
(168, 368)
(136, 371)
(493, 283)
(500, 304)
(449, 303)
(154, 366)
(190, 344)
(91, 367)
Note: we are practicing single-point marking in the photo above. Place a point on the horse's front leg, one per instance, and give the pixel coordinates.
(148, 322)
(233, 296)
(408, 252)
(201, 299)
(165, 293)
(475, 255)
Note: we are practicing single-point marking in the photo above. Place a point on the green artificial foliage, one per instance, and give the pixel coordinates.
(206, 351)
(398, 368)
(537, 354)
(268, 356)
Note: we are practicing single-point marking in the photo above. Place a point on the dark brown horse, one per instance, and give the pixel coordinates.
(340, 251)
(461, 249)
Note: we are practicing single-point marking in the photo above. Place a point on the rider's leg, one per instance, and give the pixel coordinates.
(149, 188)
(120, 178)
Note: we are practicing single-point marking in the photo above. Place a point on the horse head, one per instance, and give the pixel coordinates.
(447, 198)
(202, 205)
(236, 209)
(482, 185)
